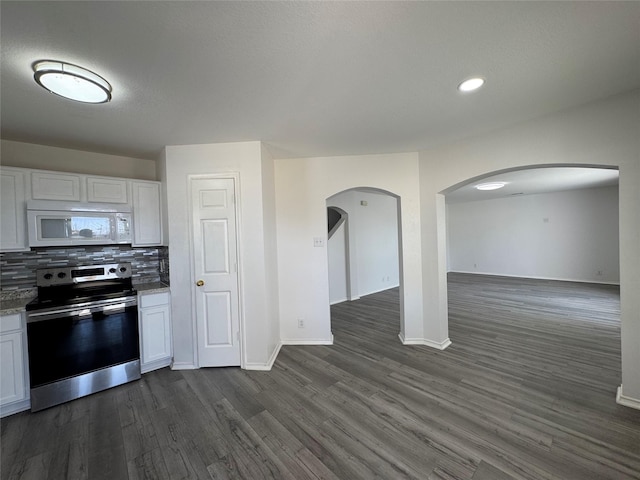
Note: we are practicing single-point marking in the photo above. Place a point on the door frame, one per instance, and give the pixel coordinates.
(235, 176)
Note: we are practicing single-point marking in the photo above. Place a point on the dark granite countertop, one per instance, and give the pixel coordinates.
(152, 287)
(14, 301)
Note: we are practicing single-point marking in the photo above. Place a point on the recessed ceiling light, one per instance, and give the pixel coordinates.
(491, 185)
(71, 81)
(471, 84)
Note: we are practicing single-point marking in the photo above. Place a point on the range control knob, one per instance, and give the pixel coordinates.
(48, 276)
(112, 270)
(62, 275)
(123, 269)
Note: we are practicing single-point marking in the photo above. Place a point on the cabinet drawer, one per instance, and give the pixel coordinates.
(10, 323)
(153, 299)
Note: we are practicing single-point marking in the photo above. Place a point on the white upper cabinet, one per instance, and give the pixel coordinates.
(13, 211)
(22, 184)
(107, 190)
(55, 186)
(147, 213)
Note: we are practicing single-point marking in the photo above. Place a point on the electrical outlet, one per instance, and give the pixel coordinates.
(301, 323)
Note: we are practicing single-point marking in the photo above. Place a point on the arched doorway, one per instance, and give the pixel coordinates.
(553, 222)
(364, 246)
(539, 259)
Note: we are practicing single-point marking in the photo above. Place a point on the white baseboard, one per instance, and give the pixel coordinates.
(15, 407)
(335, 302)
(149, 367)
(626, 401)
(269, 365)
(383, 289)
(423, 341)
(577, 280)
(265, 367)
(183, 366)
(308, 341)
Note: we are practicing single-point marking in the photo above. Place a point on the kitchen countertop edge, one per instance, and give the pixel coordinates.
(152, 287)
(9, 306)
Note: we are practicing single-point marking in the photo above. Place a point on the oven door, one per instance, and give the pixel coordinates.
(78, 350)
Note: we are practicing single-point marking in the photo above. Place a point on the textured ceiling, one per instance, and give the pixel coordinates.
(309, 78)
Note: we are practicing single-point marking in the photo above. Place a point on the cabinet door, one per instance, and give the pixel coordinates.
(12, 375)
(155, 334)
(55, 186)
(13, 211)
(147, 218)
(107, 190)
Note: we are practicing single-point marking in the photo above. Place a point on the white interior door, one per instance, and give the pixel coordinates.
(215, 270)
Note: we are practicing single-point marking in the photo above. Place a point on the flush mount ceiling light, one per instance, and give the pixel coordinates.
(491, 186)
(71, 81)
(471, 84)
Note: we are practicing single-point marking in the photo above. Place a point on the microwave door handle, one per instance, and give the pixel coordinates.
(67, 227)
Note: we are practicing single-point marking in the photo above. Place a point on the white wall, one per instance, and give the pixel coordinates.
(257, 245)
(571, 235)
(373, 235)
(302, 188)
(29, 155)
(601, 133)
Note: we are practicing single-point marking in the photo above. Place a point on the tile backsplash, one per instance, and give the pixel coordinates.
(18, 269)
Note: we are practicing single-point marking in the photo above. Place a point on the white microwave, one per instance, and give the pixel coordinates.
(53, 223)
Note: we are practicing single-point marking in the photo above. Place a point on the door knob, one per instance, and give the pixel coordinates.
(200, 283)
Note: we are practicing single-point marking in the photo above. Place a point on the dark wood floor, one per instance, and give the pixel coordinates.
(526, 391)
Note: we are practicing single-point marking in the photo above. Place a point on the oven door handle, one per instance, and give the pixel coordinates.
(87, 312)
(115, 308)
(78, 313)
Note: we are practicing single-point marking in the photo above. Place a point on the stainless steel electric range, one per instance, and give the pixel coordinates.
(82, 332)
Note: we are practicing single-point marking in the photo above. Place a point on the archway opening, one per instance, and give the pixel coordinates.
(533, 272)
(364, 247)
(553, 222)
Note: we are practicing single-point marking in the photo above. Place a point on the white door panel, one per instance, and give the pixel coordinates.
(216, 260)
(218, 307)
(215, 257)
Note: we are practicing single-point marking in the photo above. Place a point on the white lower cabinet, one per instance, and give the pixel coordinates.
(154, 314)
(14, 371)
